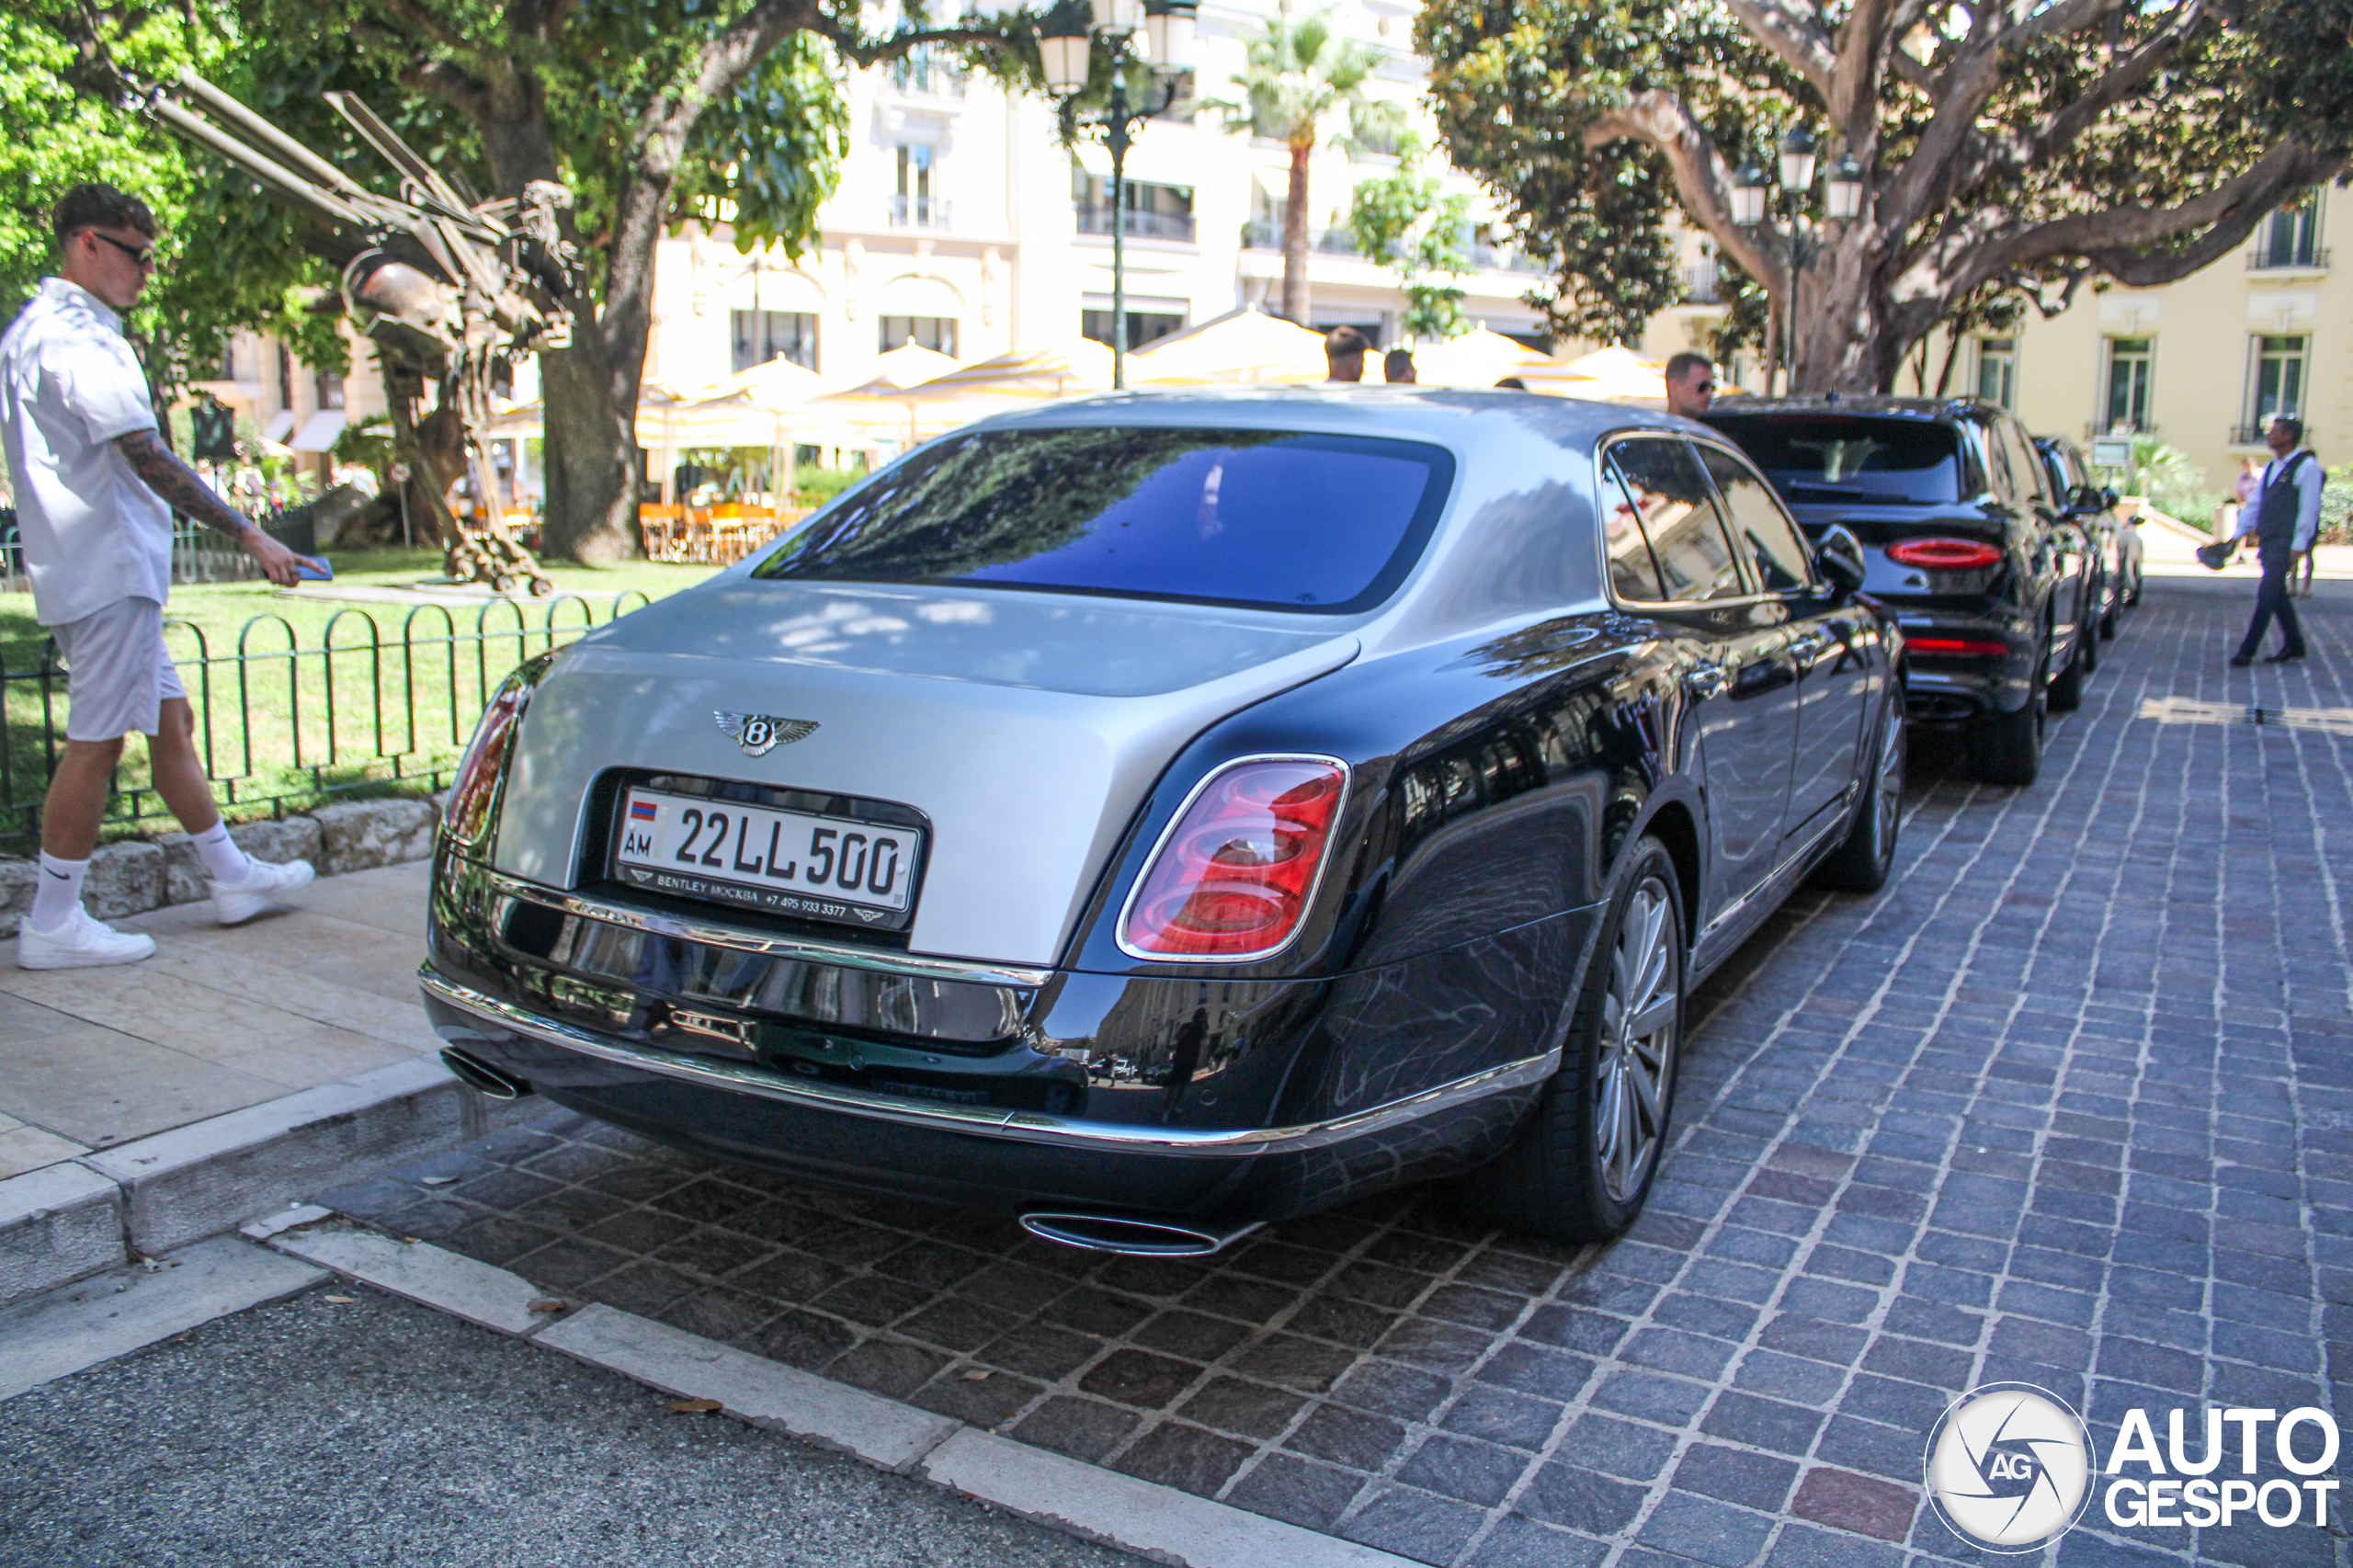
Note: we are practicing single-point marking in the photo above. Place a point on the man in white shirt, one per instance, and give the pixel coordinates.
(2284, 517)
(96, 489)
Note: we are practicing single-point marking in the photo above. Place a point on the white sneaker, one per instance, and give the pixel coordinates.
(81, 943)
(260, 888)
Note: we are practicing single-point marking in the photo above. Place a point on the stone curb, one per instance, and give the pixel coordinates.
(83, 1216)
(1153, 1521)
(135, 876)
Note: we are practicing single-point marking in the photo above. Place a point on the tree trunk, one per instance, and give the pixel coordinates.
(1843, 332)
(1295, 239)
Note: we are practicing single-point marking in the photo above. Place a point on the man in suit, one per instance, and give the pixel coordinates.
(2285, 521)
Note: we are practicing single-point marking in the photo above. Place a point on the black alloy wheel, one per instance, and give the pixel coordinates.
(1583, 1165)
(1861, 864)
(2010, 745)
(2067, 687)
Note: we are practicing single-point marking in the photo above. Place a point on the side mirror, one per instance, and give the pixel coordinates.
(2087, 498)
(1840, 555)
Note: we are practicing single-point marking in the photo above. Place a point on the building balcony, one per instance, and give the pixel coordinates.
(1269, 236)
(1140, 225)
(1499, 259)
(918, 213)
(2288, 258)
(2252, 435)
(1703, 284)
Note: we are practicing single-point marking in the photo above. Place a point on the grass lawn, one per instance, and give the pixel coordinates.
(329, 699)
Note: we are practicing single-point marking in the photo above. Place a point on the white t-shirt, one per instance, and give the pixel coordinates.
(93, 532)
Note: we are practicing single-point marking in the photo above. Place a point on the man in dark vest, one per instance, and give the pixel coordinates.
(2287, 521)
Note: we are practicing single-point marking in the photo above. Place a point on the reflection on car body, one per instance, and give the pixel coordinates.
(1297, 793)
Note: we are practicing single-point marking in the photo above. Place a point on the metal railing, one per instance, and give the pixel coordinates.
(1261, 235)
(198, 555)
(1703, 283)
(2288, 258)
(2253, 435)
(918, 211)
(1139, 224)
(284, 725)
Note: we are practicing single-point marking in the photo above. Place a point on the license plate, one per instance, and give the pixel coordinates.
(820, 868)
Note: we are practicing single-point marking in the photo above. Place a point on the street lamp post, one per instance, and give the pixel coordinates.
(1752, 191)
(1065, 50)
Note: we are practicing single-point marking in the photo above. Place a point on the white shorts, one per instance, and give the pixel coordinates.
(118, 673)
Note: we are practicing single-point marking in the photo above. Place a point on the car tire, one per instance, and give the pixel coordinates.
(2010, 745)
(1861, 864)
(2133, 596)
(2067, 687)
(1583, 1163)
(2087, 645)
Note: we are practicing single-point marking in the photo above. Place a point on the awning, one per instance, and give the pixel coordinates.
(281, 423)
(319, 431)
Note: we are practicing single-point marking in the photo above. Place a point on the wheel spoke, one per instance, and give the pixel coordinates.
(1656, 1015)
(1645, 1089)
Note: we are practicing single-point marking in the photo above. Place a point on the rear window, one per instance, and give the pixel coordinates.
(1830, 457)
(1320, 523)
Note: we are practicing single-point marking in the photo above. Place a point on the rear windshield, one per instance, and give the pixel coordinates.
(1829, 457)
(1320, 523)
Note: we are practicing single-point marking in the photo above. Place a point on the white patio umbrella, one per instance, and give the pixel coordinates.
(1477, 358)
(1605, 375)
(1242, 347)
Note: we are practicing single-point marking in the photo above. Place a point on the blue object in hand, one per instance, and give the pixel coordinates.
(314, 569)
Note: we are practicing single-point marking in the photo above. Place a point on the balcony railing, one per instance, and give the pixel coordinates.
(1702, 284)
(1269, 236)
(924, 75)
(2253, 435)
(1141, 224)
(1499, 259)
(918, 213)
(2288, 258)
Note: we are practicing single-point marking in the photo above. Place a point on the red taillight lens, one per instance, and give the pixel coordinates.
(1944, 554)
(1233, 877)
(1976, 647)
(467, 813)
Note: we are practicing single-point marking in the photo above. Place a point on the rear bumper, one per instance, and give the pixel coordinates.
(1960, 688)
(982, 1156)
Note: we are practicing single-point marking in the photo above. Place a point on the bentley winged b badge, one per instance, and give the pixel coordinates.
(760, 733)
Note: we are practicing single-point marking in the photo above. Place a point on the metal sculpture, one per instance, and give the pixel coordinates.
(449, 288)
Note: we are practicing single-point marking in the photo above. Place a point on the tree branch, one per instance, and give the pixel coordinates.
(1796, 37)
(453, 85)
(1853, 95)
(1661, 120)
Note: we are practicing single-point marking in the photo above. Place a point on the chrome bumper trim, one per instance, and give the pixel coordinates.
(1029, 1126)
(743, 939)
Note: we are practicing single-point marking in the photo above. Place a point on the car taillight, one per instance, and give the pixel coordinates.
(1233, 877)
(468, 814)
(1944, 554)
(1978, 647)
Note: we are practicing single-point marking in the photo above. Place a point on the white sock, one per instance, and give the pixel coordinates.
(223, 861)
(60, 892)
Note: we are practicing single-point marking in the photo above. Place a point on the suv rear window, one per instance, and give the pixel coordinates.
(1814, 457)
(1317, 524)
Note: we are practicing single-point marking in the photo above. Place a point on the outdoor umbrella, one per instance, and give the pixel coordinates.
(1605, 375)
(1241, 346)
(1477, 358)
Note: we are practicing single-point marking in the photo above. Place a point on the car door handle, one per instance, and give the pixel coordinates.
(1761, 676)
(1803, 649)
(1704, 681)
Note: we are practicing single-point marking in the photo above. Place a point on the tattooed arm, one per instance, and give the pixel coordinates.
(185, 491)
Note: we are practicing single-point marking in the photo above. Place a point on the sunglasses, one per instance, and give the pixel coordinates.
(141, 255)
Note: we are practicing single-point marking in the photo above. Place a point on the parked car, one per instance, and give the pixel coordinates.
(2115, 537)
(1997, 589)
(1156, 816)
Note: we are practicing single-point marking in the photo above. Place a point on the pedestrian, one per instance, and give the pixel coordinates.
(1343, 351)
(2285, 520)
(1690, 385)
(1397, 368)
(96, 486)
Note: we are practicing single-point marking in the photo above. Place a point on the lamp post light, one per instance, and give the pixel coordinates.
(1752, 193)
(1068, 49)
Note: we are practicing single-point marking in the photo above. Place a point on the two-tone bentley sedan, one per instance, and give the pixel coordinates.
(1156, 816)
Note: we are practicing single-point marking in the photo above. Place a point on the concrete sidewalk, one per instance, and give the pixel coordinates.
(148, 1105)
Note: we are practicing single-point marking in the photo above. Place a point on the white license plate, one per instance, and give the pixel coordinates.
(791, 862)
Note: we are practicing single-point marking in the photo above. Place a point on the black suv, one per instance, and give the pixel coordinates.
(1996, 587)
(2116, 539)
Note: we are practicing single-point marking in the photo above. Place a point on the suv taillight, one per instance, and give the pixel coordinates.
(1233, 877)
(468, 816)
(1944, 554)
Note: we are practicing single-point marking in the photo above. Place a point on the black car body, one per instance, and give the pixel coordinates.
(2116, 539)
(1964, 538)
(1570, 715)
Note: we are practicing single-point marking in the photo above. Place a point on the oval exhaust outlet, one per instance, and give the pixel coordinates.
(476, 1074)
(1131, 1237)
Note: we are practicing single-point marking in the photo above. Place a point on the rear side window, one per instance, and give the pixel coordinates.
(2025, 463)
(1849, 457)
(1670, 497)
(1759, 527)
(1321, 524)
(1633, 575)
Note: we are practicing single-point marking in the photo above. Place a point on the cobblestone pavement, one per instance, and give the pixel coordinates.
(2069, 1102)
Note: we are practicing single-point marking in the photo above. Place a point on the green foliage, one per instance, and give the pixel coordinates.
(231, 260)
(2171, 481)
(817, 485)
(2337, 507)
(765, 157)
(1299, 76)
(1408, 220)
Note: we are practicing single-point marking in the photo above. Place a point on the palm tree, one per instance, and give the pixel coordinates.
(1299, 78)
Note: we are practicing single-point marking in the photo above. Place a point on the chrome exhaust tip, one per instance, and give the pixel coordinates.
(1131, 1237)
(476, 1074)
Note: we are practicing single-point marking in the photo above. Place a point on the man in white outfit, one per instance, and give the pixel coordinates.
(96, 489)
